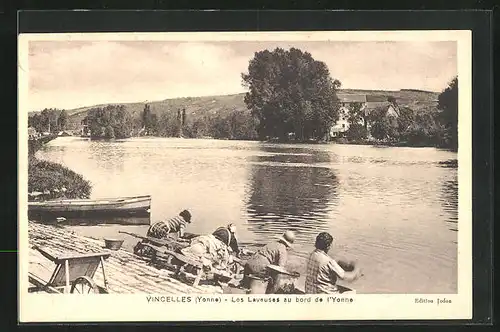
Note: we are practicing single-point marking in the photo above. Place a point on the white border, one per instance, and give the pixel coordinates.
(67, 308)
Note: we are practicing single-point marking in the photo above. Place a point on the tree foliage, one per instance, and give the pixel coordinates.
(448, 104)
(49, 120)
(382, 126)
(149, 121)
(424, 130)
(52, 177)
(111, 121)
(356, 132)
(290, 92)
(357, 115)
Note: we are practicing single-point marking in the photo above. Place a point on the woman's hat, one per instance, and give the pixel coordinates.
(287, 238)
(186, 215)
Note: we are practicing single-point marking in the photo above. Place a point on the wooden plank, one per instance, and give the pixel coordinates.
(73, 257)
(41, 284)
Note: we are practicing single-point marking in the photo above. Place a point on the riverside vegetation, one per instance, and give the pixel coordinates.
(53, 180)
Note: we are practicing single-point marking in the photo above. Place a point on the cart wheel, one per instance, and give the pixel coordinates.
(84, 285)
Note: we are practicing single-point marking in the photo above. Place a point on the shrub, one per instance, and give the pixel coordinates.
(47, 176)
(356, 132)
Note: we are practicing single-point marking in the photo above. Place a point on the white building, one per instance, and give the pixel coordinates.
(367, 103)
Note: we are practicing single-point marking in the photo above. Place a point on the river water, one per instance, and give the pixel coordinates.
(392, 209)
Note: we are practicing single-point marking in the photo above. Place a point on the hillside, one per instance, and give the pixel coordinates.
(222, 105)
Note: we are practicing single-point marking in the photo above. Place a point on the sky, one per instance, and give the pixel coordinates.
(71, 74)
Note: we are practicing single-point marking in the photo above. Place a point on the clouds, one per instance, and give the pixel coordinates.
(70, 74)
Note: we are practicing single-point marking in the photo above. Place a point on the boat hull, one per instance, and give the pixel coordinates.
(123, 207)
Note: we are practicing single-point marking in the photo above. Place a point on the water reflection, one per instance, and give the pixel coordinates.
(449, 199)
(112, 160)
(284, 196)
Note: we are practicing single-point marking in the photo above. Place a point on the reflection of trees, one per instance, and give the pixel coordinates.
(290, 190)
(449, 198)
(109, 156)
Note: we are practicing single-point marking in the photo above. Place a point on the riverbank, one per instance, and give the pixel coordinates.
(35, 144)
(48, 180)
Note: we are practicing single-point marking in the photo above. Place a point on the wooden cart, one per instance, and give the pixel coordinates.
(72, 274)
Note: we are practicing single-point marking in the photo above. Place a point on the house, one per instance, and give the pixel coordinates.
(367, 104)
(64, 133)
(32, 133)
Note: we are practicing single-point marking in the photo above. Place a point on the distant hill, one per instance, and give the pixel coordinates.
(223, 105)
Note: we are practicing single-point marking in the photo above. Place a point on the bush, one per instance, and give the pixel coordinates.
(383, 129)
(47, 176)
(356, 132)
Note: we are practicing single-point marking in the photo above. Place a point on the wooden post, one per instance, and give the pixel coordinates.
(199, 273)
(103, 275)
(66, 266)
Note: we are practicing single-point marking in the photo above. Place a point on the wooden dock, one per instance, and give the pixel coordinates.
(125, 272)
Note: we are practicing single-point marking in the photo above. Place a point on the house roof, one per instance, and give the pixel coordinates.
(376, 104)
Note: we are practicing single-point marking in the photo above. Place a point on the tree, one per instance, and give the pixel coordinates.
(356, 115)
(45, 119)
(62, 120)
(36, 122)
(405, 119)
(356, 132)
(149, 120)
(382, 127)
(183, 117)
(111, 121)
(122, 123)
(448, 104)
(424, 130)
(290, 92)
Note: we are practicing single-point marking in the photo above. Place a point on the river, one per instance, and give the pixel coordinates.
(392, 209)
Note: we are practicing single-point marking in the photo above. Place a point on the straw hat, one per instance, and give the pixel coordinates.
(287, 238)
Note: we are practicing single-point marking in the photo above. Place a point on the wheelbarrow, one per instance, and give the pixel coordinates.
(72, 274)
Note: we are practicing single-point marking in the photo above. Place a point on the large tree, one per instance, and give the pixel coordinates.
(448, 104)
(111, 121)
(290, 92)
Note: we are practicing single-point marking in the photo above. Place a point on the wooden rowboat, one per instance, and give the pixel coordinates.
(70, 208)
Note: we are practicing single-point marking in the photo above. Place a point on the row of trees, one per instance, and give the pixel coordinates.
(114, 121)
(237, 124)
(49, 120)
